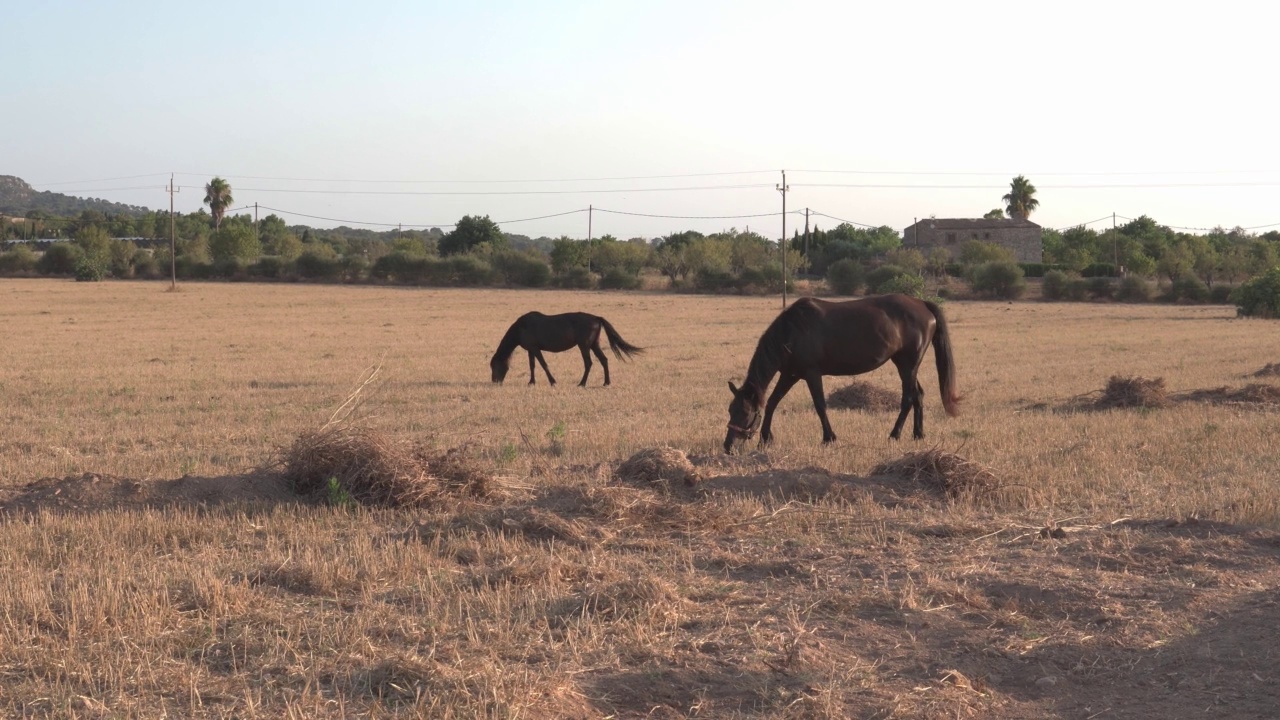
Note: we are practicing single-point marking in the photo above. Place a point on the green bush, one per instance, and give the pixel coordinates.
(880, 276)
(844, 277)
(400, 266)
(1134, 289)
(713, 280)
(517, 268)
(999, 279)
(468, 270)
(906, 283)
(1189, 289)
(18, 261)
(617, 278)
(1101, 287)
(91, 268)
(1100, 269)
(576, 278)
(318, 265)
(1077, 289)
(268, 266)
(1055, 285)
(229, 267)
(60, 259)
(1260, 297)
(354, 267)
(146, 265)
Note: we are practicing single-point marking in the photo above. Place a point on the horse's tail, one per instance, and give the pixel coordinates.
(946, 362)
(619, 346)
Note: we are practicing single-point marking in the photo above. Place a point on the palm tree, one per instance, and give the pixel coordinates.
(217, 195)
(1021, 200)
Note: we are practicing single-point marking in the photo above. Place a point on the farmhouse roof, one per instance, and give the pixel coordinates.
(974, 223)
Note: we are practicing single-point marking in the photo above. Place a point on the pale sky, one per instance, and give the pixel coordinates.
(388, 102)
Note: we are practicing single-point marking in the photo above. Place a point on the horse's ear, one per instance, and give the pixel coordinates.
(733, 389)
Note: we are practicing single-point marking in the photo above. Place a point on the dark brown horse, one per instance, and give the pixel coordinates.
(814, 337)
(536, 332)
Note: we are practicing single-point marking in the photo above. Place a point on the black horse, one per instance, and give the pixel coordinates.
(814, 337)
(536, 332)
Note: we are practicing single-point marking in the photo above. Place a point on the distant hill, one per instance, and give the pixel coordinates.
(17, 198)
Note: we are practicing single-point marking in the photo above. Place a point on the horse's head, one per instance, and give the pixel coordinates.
(499, 366)
(744, 417)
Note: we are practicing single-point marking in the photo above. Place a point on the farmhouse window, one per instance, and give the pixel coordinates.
(951, 237)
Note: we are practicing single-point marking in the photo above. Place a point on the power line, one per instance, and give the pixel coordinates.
(1037, 174)
(419, 225)
(495, 182)
(1083, 224)
(113, 179)
(499, 192)
(815, 213)
(902, 186)
(694, 217)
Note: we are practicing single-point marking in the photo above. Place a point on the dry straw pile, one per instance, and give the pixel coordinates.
(859, 395)
(375, 470)
(944, 472)
(658, 465)
(1130, 392)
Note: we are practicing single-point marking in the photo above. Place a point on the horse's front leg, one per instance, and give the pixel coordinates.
(785, 383)
(533, 379)
(814, 380)
(543, 362)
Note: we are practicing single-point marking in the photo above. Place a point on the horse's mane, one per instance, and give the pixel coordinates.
(509, 343)
(791, 326)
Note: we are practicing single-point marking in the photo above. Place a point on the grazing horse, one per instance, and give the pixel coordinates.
(815, 337)
(536, 332)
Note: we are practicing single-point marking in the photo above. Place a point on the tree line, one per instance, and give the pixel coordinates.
(1140, 259)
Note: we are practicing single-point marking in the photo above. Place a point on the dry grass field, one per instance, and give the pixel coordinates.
(154, 563)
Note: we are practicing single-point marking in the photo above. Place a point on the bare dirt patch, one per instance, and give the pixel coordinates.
(861, 395)
(93, 492)
(1252, 394)
(1268, 370)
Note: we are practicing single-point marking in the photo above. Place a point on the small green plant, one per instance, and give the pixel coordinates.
(555, 438)
(508, 453)
(337, 496)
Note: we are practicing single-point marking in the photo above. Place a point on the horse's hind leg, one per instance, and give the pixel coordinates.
(533, 380)
(917, 429)
(543, 362)
(604, 361)
(586, 365)
(910, 400)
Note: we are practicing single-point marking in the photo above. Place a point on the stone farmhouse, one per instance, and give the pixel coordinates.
(1020, 236)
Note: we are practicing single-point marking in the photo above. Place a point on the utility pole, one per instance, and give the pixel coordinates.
(173, 238)
(1115, 242)
(255, 225)
(591, 214)
(783, 188)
